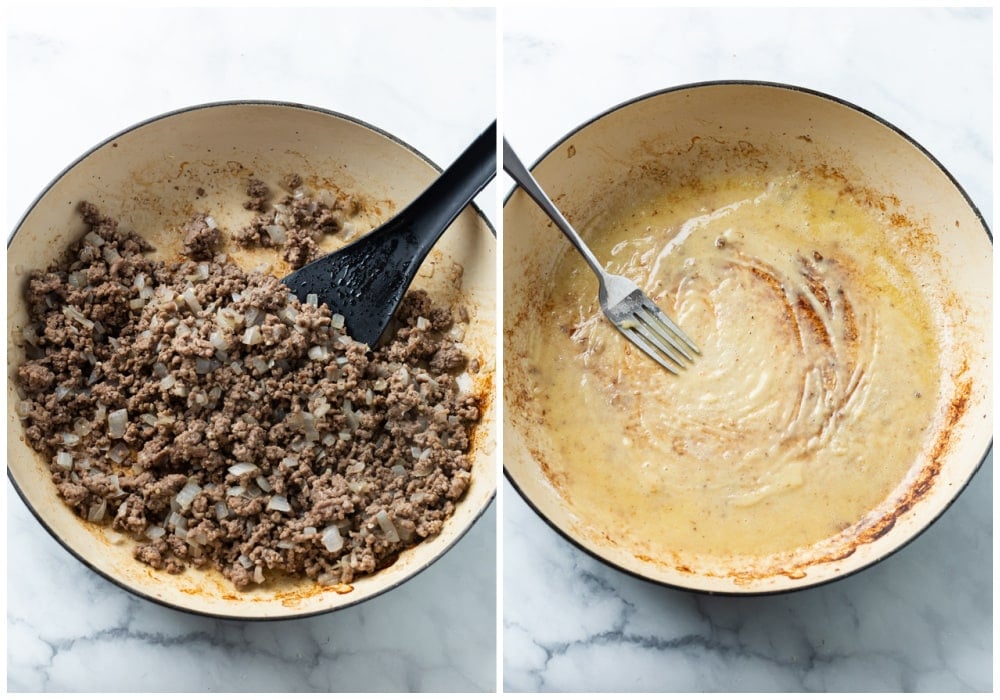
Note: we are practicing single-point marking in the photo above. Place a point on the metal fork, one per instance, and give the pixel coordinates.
(624, 304)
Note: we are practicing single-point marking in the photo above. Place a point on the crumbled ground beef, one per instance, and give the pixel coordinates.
(259, 194)
(201, 238)
(218, 421)
(297, 222)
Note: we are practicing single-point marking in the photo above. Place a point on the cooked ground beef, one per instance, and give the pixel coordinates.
(297, 222)
(218, 421)
(201, 238)
(259, 193)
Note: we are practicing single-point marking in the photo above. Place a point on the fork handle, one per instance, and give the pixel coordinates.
(521, 175)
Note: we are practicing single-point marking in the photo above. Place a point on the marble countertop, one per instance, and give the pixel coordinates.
(922, 620)
(76, 77)
(919, 621)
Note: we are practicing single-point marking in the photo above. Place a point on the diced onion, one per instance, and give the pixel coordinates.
(77, 279)
(276, 232)
(253, 316)
(337, 321)
(117, 422)
(179, 523)
(94, 239)
(253, 336)
(118, 453)
(191, 299)
(221, 510)
(241, 468)
(264, 484)
(186, 495)
(155, 532)
(71, 312)
(388, 528)
(64, 459)
(258, 574)
(308, 423)
(228, 318)
(279, 503)
(350, 416)
(97, 511)
(332, 539)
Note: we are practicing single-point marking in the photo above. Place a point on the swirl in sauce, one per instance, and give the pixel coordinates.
(811, 400)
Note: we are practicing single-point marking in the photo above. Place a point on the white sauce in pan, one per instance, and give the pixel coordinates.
(812, 398)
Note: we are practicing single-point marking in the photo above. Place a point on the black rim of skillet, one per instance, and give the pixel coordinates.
(805, 586)
(204, 613)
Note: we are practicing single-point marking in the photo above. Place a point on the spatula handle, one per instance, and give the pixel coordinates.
(437, 206)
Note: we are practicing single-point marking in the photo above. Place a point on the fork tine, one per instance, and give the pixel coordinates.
(673, 327)
(655, 325)
(633, 333)
(654, 336)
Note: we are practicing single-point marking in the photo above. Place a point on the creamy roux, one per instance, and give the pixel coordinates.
(817, 382)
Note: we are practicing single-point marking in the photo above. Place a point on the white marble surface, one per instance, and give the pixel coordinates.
(921, 620)
(75, 78)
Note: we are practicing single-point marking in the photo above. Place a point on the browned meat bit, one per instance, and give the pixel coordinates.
(220, 422)
(300, 248)
(448, 359)
(292, 182)
(201, 238)
(297, 223)
(35, 377)
(259, 194)
(73, 494)
(158, 555)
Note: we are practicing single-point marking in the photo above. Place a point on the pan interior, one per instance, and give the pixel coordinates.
(671, 171)
(153, 178)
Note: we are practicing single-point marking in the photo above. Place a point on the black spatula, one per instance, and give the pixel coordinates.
(366, 280)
